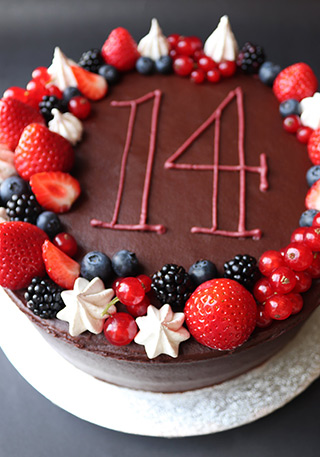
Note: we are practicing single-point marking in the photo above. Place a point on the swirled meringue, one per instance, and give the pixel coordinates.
(310, 111)
(60, 71)
(155, 44)
(67, 125)
(221, 44)
(7, 167)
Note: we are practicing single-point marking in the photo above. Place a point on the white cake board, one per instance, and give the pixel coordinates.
(209, 410)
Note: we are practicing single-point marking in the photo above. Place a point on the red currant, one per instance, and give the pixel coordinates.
(196, 43)
(66, 243)
(36, 90)
(140, 309)
(298, 256)
(303, 134)
(130, 291)
(206, 63)
(269, 261)
(198, 54)
(282, 280)
(173, 54)
(41, 74)
(18, 93)
(297, 302)
(173, 40)
(214, 75)
(197, 76)
(316, 220)
(278, 307)
(115, 284)
(297, 235)
(227, 68)
(183, 65)
(120, 329)
(291, 123)
(312, 238)
(262, 290)
(54, 90)
(146, 282)
(263, 319)
(184, 47)
(303, 283)
(80, 107)
(314, 269)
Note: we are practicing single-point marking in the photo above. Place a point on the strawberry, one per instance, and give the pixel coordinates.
(14, 117)
(60, 267)
(297, 81)
(55, 191)
(91, 85)
(314, 147)
(39, 150)
(313, 197)
(221, 314)
(20, 253)
(120, 50)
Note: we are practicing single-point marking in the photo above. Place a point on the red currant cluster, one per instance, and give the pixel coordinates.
(292, 124)
(190, 60)
(286, 274)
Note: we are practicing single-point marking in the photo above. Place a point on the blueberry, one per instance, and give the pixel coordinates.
(11, 186)
(201, 271)
(110, 73)
(70, 92)
(50, 223)
(313, 174)
(268, 73)
(290, 106)
(307, 217)
(125, 263)
(96, 264)
(164, 65)
(145, 66)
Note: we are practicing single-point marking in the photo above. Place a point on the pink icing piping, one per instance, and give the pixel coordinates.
(216, 167)
(142, 226)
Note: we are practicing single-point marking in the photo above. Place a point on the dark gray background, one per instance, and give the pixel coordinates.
(289, 30)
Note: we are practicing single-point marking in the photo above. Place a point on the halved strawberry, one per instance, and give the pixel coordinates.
(90, 84)
(55, 191)
(313, 197)
(60, 267)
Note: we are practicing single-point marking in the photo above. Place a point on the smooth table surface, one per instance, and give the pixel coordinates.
(289, 31)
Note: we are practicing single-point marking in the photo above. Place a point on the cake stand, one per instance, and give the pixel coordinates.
(199, 412)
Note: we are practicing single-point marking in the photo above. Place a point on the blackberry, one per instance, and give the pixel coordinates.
(243, 269)
(172, 285)
(91, 60)
(250, 58)
(47, 104)
(23, 207)
(44, 298)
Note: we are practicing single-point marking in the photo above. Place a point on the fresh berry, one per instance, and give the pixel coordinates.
(61, 268)
(70, 92)
(282, 280)
(184, 47)
(221, 314)
(146, 282)
(56, 92)
(40, 150)
(291, 123)
(279, 307)
(314, 147)
(49, 222)
(66, 243)
(263, 318)
(140, 309)
(130, 291)
(91, 85)
(315, 221)
(313, 174)
(250, 58)
(297, 81)
(297, 302)
(314, 269)
(125, 263)
(17, 93)
(80, 107)
(173, 54)
(307, 217)
(312, 200)
(206, 63)
(47, 104)
(173, 40)
(37, 90)
(262, 290)
(312, 238)
(164, 65)
(303, 283)
(297, 235)
(227, 68)
(14, 117)
(13, 186)
(183, 65)
(172, 285)
(91, 60)
(20, 251)
(41, 74)
(269, 261)
(110, 74)
(96, 264)
(268, 72)
(120, 329)
(298, 257)
(120, 50)
(290, 107)
(214, 75)
(23, 207)
(55, 191)
(43, 298)
(202, 271)
(303, 134)
(243, 269)
(197, 76)
(145, 66)
(196, 43)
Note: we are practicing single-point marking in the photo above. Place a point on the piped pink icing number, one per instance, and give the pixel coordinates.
(142, 226)
(242, 168)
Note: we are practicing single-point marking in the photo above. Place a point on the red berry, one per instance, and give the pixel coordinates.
(297, 302)
(36, 90)
(269, 261)
(120, 50)
(120, 329)
(278, 307)
(298, 257)
(184, 47)
(183, 65)
(297, 81)
(291, 123)
(316, 220)
(91, 85)
(130, 291)
(263, 319)
(18, 93)
(66, 243)
(262, 290)
(173, 40)
(140, 309)
(227, 68)
(196, 43)
(80, 107)
(146, 281)
(314, 147)
(314, 269)
(312, 200)
(197, 76)
(312, 238)
(198, 54)
(214, 75)
(41, 74)
(282, 280)
(297, 235)
(303, 283)
(303, 134)
(54, 90)
(173, 54)
(206, 63)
